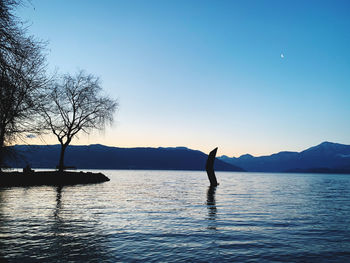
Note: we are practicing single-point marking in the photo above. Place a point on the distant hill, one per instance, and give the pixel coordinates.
(104, 157)
(325, 157)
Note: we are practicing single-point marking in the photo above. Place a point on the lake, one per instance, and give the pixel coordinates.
(172, 216)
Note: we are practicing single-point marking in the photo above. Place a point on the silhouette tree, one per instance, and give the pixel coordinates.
(22, 78)
(77, 105)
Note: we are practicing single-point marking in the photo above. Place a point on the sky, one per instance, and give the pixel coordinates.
(246, 76)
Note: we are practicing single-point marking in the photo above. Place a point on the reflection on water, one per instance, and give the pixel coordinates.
(211, 204)
(73, 238)
(58, 202)
(2, 248)
(174, 216)
(28, 230)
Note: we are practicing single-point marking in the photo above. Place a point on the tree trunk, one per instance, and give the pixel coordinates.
(61, 163)
(2, 141)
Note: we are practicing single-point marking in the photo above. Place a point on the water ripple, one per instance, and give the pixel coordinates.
(174, 216)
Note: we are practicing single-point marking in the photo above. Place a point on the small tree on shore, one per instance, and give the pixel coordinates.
(76, 104)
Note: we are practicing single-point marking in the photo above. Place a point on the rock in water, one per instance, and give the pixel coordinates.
(210, 167)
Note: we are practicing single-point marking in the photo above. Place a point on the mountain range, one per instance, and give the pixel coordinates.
(325, 157)
(104, 157)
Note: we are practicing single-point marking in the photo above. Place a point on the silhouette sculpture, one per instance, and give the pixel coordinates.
(210, 167)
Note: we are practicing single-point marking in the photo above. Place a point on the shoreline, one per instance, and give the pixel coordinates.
(54, 178)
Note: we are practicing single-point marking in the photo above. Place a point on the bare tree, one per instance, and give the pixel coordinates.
(9, 31)
(22, 78)
(77, 105)
(21, 91)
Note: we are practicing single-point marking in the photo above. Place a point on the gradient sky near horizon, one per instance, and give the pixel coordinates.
(252, 77)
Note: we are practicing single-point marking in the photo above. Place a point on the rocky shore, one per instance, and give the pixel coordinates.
(32, 178)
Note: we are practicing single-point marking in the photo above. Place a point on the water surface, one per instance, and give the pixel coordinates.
(174, 216)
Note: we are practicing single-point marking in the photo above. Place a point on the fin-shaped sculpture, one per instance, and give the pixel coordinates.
(210, 167)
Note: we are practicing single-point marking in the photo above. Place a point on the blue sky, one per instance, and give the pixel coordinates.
(203, 74)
